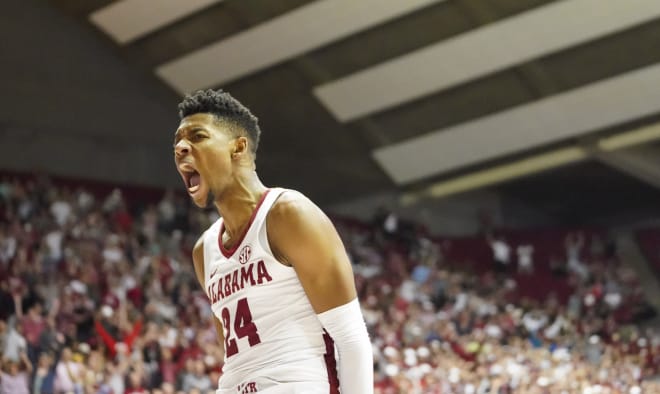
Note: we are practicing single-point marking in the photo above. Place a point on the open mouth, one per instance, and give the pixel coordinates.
(192, 179)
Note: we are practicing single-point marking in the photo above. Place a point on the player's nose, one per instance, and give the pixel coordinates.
(181, 148)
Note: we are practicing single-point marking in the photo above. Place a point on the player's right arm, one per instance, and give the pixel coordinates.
(198, 264)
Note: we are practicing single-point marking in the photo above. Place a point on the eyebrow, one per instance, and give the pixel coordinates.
(187, 129)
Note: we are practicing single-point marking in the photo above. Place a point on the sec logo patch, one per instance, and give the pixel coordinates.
(244, 255)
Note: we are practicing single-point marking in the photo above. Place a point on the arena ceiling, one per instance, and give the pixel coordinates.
(428, 97)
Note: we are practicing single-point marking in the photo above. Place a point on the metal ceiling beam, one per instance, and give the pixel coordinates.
(642, 163)
(630, 152)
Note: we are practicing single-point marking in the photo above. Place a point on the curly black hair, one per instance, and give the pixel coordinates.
(225, 108)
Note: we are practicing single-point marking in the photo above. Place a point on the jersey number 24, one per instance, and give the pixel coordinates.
(243, 327)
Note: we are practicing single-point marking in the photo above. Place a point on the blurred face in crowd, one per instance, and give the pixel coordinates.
(214, 376)
(135, 379)
(168, 388)
(19, 329)
(66, 354)
(36, 310)
(190, 366)
(11, 367)
(200, 368)
(166, 354)
(45, 360)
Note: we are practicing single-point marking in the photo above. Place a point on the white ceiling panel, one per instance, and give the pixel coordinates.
(292, 34)
(127, 20)
(480, 52)
(608, 102)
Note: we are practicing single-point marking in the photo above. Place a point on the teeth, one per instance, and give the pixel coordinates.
(193, 189)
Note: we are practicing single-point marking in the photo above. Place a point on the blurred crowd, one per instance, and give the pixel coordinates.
(98, 295)
(441, 324)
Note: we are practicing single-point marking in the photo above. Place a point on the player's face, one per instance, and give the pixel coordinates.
(202, 153)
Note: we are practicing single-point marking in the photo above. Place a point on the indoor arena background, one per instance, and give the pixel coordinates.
(493, 168)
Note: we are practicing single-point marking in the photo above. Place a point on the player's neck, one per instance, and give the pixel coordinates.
(239, 201)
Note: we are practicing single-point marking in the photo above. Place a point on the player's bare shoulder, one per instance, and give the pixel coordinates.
(289, 206)
(293, 212)
(289, 220)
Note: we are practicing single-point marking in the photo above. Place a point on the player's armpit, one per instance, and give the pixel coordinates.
(300, 234)
(198, 264)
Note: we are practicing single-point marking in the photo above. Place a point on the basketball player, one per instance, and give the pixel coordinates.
(276, 272)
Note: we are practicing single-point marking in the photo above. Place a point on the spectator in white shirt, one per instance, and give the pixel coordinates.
(61, 210)
(574, 244)
(525, 260)
(501, 253)
(7, 246)
(534, 321)
(15, 343)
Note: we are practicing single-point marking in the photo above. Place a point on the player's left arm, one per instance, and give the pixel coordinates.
(198, 265)
(301, 235)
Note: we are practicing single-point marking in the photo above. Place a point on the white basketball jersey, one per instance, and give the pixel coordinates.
(273, 340)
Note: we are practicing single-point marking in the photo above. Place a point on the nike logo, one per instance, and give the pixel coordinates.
(215, 271)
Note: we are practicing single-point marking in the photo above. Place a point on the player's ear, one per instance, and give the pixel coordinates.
(240, 147)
